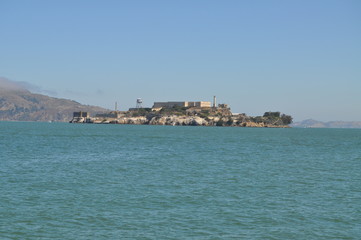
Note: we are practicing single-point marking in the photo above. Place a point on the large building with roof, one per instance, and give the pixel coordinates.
(182, 104)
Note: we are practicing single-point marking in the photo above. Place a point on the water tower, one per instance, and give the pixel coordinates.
(139, 103)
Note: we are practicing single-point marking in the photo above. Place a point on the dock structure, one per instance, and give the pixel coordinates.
(80, 117)
(81, 114)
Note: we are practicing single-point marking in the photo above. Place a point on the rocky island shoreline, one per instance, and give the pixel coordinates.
(186, 116)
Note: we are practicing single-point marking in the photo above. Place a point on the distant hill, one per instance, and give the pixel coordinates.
(310, 123)
(19, 104)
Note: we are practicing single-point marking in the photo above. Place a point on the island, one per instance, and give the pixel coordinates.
(199, 113)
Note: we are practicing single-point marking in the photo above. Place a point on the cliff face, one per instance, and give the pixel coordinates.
(22, 105)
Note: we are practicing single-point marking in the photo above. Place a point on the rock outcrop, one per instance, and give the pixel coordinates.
(178, 121)
(174, 120)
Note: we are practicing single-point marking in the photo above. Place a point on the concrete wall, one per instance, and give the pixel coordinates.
(199, 104)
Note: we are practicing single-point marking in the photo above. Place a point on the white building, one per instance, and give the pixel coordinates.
(181, 104)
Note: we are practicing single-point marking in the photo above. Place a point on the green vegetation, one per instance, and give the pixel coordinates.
(204, 113)
(272, 114)
(286, 119)
(140, 112)
(275, 118)
(176, 110)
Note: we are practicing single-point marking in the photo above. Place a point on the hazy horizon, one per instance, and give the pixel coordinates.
(301, 58)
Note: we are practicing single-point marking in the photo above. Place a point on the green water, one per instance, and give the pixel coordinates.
(69, 181)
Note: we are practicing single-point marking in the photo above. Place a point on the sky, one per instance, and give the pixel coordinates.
(302, 58)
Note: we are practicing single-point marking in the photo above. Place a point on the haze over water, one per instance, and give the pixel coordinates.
(65, 181)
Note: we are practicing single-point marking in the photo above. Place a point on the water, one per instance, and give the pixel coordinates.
(69, 181)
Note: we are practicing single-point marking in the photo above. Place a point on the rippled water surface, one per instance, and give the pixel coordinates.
(69, 181)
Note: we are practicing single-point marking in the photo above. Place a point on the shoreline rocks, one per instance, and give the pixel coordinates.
(174, 120)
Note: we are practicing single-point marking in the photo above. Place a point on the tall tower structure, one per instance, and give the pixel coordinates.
(116, 106)
(139, 103)
(214, 101)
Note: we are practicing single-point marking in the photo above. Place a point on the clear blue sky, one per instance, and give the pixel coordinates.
(302, 58)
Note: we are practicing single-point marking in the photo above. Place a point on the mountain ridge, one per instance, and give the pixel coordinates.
(19, 104)
(311, 123)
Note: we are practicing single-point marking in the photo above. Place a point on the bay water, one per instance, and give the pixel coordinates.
(88, 181)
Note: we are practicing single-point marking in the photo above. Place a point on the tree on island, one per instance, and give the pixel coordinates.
(286, 119)
(276, 118)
